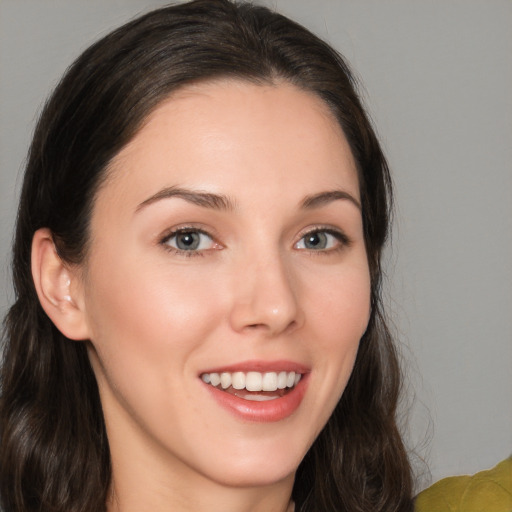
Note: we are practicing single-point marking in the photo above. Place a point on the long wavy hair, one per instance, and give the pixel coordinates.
(54, 452)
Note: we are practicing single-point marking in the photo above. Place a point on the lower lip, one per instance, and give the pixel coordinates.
(267, 411)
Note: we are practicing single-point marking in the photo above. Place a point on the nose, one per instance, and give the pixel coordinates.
(266, 298)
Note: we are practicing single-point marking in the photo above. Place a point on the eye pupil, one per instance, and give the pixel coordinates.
(187, 241)
(315, 240)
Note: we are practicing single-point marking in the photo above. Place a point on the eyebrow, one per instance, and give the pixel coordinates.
(224, 203)
(323, 198)
(198, 197)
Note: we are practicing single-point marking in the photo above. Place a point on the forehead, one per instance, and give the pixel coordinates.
(227, 134)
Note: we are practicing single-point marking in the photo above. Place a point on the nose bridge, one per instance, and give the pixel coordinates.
(265, 294)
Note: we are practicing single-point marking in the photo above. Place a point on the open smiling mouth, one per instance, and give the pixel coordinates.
(254, 386)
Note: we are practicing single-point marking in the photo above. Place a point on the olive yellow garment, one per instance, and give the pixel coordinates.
(487, 491)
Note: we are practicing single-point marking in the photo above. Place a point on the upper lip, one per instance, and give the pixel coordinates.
(260, 366)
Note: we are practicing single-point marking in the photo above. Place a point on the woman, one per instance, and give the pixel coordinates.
(197, 271)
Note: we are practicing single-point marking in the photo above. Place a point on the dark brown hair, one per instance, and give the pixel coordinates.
(54, 449)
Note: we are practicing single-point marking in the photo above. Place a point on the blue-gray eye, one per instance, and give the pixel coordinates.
(318, 241)
(190, 240)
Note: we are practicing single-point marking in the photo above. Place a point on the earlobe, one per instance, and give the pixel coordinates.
(54, 280)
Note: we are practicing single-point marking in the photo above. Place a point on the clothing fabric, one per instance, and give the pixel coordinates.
(487, 491)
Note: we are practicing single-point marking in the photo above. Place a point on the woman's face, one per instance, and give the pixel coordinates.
(226, 244)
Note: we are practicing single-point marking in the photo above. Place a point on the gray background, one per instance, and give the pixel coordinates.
(437, 78)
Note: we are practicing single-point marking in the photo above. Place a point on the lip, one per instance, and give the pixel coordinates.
(261, 366)
(266, 411)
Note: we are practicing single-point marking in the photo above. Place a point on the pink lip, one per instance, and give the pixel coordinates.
(261, 366)
(267, 411)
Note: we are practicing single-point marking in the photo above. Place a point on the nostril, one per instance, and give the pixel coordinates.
(256, 326)
(272, 330)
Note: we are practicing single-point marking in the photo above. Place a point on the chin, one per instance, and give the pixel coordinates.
(255, 476)
(262, 468)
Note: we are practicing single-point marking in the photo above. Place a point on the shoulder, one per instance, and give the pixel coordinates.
(489, 490)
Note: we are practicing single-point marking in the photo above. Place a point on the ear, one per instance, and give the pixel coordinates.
(58, 287)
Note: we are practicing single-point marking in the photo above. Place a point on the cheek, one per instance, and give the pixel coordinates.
(339, 313)
(342, 306)
(148, 328)
(144, 316)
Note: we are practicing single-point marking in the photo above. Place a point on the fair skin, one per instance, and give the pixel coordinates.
(227, 238)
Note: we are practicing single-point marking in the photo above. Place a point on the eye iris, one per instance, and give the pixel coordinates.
(187, 241)
(315, 241)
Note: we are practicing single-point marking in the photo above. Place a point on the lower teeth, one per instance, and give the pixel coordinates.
(257, 398)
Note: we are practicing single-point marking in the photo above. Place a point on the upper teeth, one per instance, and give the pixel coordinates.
(253, 381)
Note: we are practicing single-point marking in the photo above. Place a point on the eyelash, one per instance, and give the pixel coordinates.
(343, 240)
(182, 231)
(341, 237)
